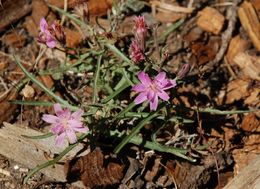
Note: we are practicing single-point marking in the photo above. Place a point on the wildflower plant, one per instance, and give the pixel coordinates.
(114, 79)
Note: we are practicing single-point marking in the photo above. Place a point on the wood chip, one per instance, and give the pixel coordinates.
(210, 20)
(250, 65)
(250, 22)
(236, 90)
(171, 7)
(236, 45)
(248, 178)
(13, 10)
(60, 3)
(250, 123)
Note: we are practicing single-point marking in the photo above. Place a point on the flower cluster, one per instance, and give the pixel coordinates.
(51, 35)
(150, 90)
(137, 46)
(65, 123)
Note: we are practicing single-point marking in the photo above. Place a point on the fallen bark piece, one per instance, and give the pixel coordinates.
(32, 152)
(250, 65)
(13, 10)
(210, 20)
(248, 178)
(250, 22)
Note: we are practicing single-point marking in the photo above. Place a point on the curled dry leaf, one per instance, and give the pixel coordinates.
(91, 170)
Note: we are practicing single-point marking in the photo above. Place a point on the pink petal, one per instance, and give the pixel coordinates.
(43, 25)
(73, 123)
(60, 112)
(144, 78)
(154, 103)
(51, 43)
(151, 95)
(59, 139)
(50, 118)
(171, 83)
(139, 88)
(57, 129)
(163, 95)
(71, 135)
(78, 114)
(161, 76)
(81, 129)
(140, 98)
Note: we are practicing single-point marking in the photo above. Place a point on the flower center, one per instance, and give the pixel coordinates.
(153, 87)
(64, 122)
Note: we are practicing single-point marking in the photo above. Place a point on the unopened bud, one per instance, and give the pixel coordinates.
(183, 71)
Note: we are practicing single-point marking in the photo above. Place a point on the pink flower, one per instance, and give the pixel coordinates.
(136, 54)
(45, 35)
(65, 124)
(140, 31)
(150, 90)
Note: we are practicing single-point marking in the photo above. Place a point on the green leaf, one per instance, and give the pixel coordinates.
(136, 130)
(47, 135)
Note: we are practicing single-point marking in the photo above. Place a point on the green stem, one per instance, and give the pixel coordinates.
(96, 77)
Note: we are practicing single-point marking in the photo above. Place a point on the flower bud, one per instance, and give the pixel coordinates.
(140, 31)
(183, 71)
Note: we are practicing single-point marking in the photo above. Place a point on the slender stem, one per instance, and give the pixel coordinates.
(96, 77)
